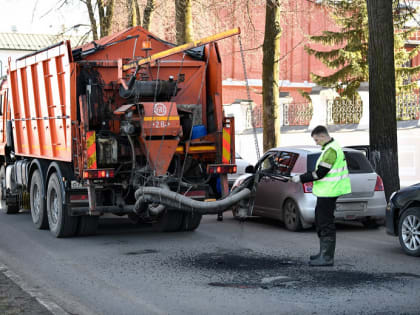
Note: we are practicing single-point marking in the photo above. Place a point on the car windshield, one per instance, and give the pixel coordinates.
(356, 162)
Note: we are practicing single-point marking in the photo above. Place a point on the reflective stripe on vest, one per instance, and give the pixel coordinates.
(337, 180)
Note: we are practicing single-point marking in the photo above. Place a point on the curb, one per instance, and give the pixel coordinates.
(51, 306)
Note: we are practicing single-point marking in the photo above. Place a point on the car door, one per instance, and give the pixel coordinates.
(270, 196)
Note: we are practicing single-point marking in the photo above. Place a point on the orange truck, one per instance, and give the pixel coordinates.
(127, 125)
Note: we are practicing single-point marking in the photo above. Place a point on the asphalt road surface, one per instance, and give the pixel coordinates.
(228, 267)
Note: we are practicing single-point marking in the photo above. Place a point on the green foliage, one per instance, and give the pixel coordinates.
(348, 49)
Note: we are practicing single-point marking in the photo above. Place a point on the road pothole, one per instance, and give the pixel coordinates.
(247, 270)
(239, 262)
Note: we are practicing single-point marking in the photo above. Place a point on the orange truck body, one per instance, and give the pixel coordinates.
(74, 112)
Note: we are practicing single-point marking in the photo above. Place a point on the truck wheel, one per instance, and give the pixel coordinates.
(61, 224)
(169, 221)
(409, 231)
(87, 225)
(291, 216)
(37, 201)
(191, 221)
(4, 207)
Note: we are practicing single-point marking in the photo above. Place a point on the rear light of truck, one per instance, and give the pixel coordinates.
(79, 197)
(221, 168)
(307, 187)
(93, 174)
(379, 184)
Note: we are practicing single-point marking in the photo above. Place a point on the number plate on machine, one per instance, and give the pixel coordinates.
(351, 206)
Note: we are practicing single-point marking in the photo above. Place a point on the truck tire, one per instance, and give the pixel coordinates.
(169, 221)
(61, 224)
(191, 221)
(87, 225)
(4, 207)
(37, 201)
(409, 231)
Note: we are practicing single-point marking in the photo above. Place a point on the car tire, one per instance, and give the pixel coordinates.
(409, 231)
(60, 222)
(291, 216)
(37, 201)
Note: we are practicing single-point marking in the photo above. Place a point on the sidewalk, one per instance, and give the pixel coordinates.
(13, 300)
(17, 297)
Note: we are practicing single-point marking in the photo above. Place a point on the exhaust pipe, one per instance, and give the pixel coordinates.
(165, 197)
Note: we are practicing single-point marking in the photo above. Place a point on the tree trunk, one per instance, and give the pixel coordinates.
(270, 76)
(92, 19)
(106, 11)
(148, 13)
(138, 17)
(132, 15)
(382, 107)
(183, 21)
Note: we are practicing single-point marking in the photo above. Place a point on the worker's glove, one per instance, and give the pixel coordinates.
(295, 179)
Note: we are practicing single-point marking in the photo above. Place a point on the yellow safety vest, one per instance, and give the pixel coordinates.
(337, 180)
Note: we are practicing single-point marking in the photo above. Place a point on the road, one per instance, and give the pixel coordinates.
(228, 267)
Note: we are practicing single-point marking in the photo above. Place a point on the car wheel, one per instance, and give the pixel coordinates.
(409, 231)
(291, 216)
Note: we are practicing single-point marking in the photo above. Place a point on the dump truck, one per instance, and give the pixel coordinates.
(126, 125)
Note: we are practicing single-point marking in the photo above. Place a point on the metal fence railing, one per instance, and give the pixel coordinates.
(342, 111)
(256, 115)
(297, 114)
(408, 106)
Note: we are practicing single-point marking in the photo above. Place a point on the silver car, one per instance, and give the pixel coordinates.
(241, 164)
(294, 204)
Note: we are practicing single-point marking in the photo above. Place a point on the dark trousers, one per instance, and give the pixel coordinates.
(324, 216)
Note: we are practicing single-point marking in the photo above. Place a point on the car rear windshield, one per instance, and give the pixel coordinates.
(356, 162)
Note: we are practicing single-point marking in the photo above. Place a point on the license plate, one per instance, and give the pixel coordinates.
(351, 206)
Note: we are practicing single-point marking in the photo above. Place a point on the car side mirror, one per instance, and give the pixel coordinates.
(250, 169)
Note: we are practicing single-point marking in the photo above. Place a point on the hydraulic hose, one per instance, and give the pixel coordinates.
(171, 199)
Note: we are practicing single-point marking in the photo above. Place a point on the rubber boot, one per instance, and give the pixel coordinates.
(312, 257)
(326, 257)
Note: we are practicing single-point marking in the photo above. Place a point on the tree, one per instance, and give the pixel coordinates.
(133, 11)
(383, 125)
(105, 13)
(349, 54)
(270, 75)
(148, 13)
(183, 21)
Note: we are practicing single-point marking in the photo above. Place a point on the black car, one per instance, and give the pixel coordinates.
(403, 218)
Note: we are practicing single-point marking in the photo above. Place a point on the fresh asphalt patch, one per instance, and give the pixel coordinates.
(250, 270)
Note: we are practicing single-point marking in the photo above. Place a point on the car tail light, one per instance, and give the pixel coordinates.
(379, 184)
(307, 187)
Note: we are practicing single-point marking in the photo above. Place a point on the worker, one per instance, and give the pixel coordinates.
(330, 180)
